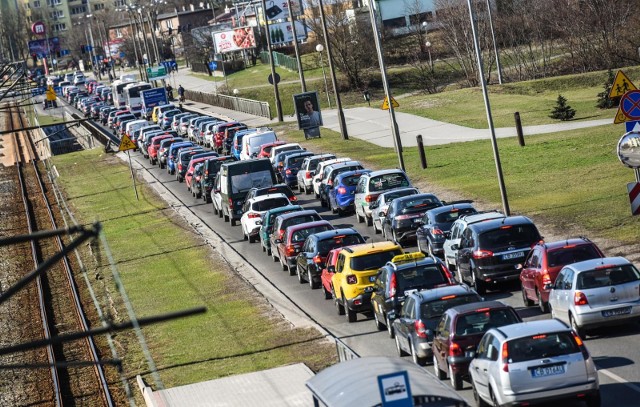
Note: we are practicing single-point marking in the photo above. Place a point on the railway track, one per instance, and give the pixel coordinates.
(74, 375)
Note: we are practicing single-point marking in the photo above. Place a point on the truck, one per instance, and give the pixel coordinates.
(153, 97)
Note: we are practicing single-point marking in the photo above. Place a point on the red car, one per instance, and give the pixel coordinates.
(265, 150)
(328, 271)
(219, 135)
(152, 150)
(294, 236)
(545, 262)
(188, 176)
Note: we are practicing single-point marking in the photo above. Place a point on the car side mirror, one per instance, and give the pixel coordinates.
(547, 286)
(455, 247)
(331, 269)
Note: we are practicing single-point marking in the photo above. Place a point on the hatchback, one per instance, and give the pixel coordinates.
(420, 313)
(341, 193)
(372, 185)
(278, 188)
(404, 216)
(597, 292)
(326, 275)
(289, 171)
(533, 362)
(544, 262)
(460, 329)
(268, 219)
(252, 212)
(283, 221)
(329, 176)
(436, 224)
(291, 244)
(381, 204)
(174, 149)
(319, 172)
(307, 171)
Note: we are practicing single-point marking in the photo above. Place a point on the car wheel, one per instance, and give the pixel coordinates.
(369, 220)
(456, 380)
(226, 217)
(307, 191)
(323, 203)
(312, 284)
(478, 285)
(544, 306)
(440, 374)
(394, 237)
(414, 356)
(252, 239)
(594, 400)
(244, 235)
(352, 316)
(339, 306)
(375, 228)
(215, 210)
(401, 352)
(339, 211)
(390, 331)
(358, 218)
(299, 274)
(327, 293)
(292, 270)
(379, 325)
(494, 402)
(574, 325)
(264, 249)
(476, 397)
(525, 299)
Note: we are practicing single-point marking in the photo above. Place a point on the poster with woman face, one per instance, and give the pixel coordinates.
(308, 113)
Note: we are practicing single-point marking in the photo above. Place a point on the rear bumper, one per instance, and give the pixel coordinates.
(360, 303)
(573, 392)
(591, 318)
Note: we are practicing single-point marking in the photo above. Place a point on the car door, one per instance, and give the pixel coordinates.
(556, 296)
(378, 295)
(440, 343)
(463, 257)
(359, 195)
(479, 367)
(530, 270)
(305, 256)
(404, 325)
(387, 221)
(337, 277)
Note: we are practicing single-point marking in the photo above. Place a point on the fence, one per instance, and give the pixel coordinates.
(279, 59)
(253, 107)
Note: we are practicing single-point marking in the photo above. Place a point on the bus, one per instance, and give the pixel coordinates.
(117, 91)
(133, 99)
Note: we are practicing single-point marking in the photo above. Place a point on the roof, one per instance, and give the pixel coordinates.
(354, 382)
(433, 293)
(495, 223)
(481, 216)
(288, 208)
(593, 263)
(559, 244)
(365, 248)
(464, 308)
(396, 190)
(384, 172)
(268, 196)
(532, 328)
(448, 208)
(346, 174)
(307, 225)
(329, 234)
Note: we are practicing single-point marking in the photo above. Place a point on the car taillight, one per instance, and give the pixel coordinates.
(405, 217)
(370, 198)
(351, 279)
(455, 349)
(231, 202)
(482, 254)
(393, 285)
(293, 199)
(421, 329)
(318, 259)
(288, 171)
(290, 250)
(580, 299)
(342, 190)
(437, 231)
(546, 278)
(253, 215)
(280, 233)
(505, 357)
(583, 349)
(308, 175)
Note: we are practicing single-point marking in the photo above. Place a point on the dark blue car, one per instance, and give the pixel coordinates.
(291, 165)
(342, 194)
(173, 153)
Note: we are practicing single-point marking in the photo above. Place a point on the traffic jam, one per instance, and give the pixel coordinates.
(413, 267)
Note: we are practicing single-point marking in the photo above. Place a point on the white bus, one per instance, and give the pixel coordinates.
(133, 99)
(117, 91)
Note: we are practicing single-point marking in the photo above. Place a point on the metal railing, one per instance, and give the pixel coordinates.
(344, 351)
(280, 59)
(253, 107)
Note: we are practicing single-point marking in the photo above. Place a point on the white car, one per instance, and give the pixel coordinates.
(308, 170)
(317, 178)
(283, 147)
(216, 197)
(254, 208)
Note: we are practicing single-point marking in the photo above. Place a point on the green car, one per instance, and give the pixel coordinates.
(268, 219)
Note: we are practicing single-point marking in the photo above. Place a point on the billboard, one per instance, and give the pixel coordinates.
(277, 10)
(280, 33)
(308, 113)
(113, 47)
(40, 46)
(234, 40)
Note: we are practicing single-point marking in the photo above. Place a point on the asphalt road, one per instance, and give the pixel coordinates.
(615, 349)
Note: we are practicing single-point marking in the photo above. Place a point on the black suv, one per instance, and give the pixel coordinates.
(400, 277)
(490, 252)
(436, 226)
(404, 216)
(312, 259)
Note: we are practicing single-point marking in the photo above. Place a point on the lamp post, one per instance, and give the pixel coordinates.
(273, 68)
(320, 48)
(93, 50)
(235, 93)
(495, 45)
(428, 47)
(303, 84)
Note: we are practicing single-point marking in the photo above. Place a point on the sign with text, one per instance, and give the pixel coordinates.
(234, 40)
(157, 72)
(40, 46)
(280, 33)
(277, 10)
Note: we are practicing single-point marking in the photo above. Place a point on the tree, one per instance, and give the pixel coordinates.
(604, 101)
(562, 111)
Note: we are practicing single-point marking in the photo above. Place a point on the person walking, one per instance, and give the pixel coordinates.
(169, 92)
(181, 93)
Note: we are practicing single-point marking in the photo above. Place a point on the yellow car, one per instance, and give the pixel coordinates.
(160, 109)
(355, 273)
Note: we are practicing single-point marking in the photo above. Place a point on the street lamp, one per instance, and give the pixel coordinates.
(428, 46)
(235, 93)
(320, 48)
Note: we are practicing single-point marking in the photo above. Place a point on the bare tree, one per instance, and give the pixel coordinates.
(14, 35)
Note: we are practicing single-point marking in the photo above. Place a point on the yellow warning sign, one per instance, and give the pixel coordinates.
(126, 144)
(385, 104)
(620, 117)
(621, 85)
(51, 94)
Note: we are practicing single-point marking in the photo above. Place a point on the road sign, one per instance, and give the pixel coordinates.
(629, 149)
(385, 103)
(634, 197)
(38, 91)
(126, 144)
(157, 72)
(632, 126)
(630, 104)
(57, 89)
(213, 65)
(620, 117)
(395, 390)
(270, 78)
(621, 85)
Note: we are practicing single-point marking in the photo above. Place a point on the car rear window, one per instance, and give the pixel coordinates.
(452, 215)
(483, 319)
(300, 219)
(608, 276)
(435, 309)
(568, 255)
(423, 277)
(541, 346)
(388, 181)
(373, 261)
(263, 206)
(509, 235)
(275, 190)
(302, 234)
(324, 246)
(351, 180)
(246, 181)
(295, 162)
(419, 204)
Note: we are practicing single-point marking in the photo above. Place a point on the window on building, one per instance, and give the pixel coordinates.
(36, 4)
(59, 27)
(52, 3)
(417, 19)
(395, 22)
(56, 14)
(169, 23)
(99, 6)
(120, 3)
(118, 33)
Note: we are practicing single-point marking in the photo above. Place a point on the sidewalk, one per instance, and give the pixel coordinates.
(373, 125)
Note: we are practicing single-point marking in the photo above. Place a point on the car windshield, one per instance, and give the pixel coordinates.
(607, 276)
(435, 309)
(265, 205)
(295, 162)
(301, 234)
(419, 204)
(324, 246)
(541, 346)
(296, 220)
(388, 181)
(373, 261)
(480, 321)
(509, 235)
(574, 254)
(452, 215)
(246, 181)
(423, 277)
(351, 180)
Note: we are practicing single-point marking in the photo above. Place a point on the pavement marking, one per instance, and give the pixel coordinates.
(619, 379)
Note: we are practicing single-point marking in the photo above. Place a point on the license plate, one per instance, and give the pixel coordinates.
(372, 279)
(513, 255)
(547, 371)
(617, 311)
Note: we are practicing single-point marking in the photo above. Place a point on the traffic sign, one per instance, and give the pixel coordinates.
(629, 149)
(385, 103)
(621, 85)
(395, 390)
(634, 197)
(630, 104)
(37, 91)
(51, 94)
(126, 144)
(213, 65)
(632, 126)
(57, 89)
(620, 117)
(270, 78)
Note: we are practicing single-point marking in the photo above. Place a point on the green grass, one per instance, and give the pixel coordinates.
(166, 267)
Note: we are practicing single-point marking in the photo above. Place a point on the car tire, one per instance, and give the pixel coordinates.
(414, 356)
(215, 210)
(476, 397)
(358, 218)
(543, 305)
(244, 235)
(299, 274)
(307, 191)
(379, 325)
(440, 374)
(399, 349)
(394, 238)
(390, 331)
(220, 213)
(233, 222)
(594, 400)
(292, 270)
(375, 229)
(226, 217)
(352, 316)
(478, 285)
(340, 211)
(339, 306)
(456, 379)
(327, 293)
(252, 239)
(312, 284)
(323, 203)
(369, 220)
(525, 299)
(578, 329)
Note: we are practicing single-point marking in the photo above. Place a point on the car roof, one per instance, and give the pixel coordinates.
(384, 172)
(365, 248)
(496, 223)
(267, 197)
(298, 213)
(300, 153)
(297, 208)
(400, 200)
(480, 217)
(330, 234)
(404, 265)
(439, 292)
(530, 328)
(307, 225)
(559, 244)
(448, 208)
(599, 262)
(474, 306)
(396, 190)
(346, 174)
(343, 164)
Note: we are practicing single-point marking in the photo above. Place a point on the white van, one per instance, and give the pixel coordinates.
(134, 125)
(251, 143)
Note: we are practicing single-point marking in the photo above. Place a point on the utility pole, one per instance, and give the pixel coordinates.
(303, 85)
(273, 67)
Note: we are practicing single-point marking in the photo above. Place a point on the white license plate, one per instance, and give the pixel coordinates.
(617, 311)
(513, 255)
(372, 279)
(547, 371)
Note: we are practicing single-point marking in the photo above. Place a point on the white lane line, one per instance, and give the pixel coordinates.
(619, 379)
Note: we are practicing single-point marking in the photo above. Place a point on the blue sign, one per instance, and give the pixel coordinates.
(169, 65)
(122, 54)
(38, 91)
(213, 65)
(57, 89)
(153, 97)
(87, 48)
(395, 390)
(632, 125)
(64, 52)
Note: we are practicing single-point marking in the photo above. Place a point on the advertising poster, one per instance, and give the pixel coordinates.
(277, 10)
(234, 40)
(281, 33)
(40, 46)
(113, 47)
(308, 113)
